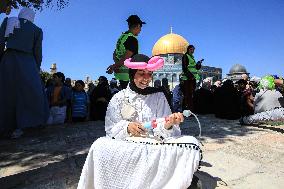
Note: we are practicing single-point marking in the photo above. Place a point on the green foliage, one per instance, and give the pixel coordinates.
(267, 82)
(4, 6)
(45, 75)
(37, 4)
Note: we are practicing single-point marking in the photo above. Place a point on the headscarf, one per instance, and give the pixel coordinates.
(81, 82)
(206, 84)
(267, 83)
(27, 14)
(132, 72)
(14, 22)
(103, 82)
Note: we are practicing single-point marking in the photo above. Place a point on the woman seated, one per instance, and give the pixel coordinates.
(268, 105)
(131, 156)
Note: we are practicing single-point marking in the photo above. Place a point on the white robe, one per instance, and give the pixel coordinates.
(147, 107)
(121, 163)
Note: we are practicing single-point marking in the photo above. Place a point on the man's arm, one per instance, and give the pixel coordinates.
(114, 67)
(250, 100)
(128, 54)
(198, 64)
(114, 58)
(131, 46)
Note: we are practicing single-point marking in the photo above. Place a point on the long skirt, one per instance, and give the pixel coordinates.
(140, 164)
(275, 115)
(23, 102)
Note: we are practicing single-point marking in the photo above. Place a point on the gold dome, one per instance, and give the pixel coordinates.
(170, 43)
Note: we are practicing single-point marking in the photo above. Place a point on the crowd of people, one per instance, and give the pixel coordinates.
(243, 99)
(35, 102)
(78, 103)
(60, 102)
(226, 99)
(28, 101)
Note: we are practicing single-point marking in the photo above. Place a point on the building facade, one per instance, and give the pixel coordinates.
(236, 72)
(53, 68)
(171, 47)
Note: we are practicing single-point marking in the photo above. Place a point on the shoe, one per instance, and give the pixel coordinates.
(195, 183)
(17, 134)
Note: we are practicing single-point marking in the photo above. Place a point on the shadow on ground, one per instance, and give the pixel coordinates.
(53, 156)
(64, 174)
(48, 145)
(214, 128)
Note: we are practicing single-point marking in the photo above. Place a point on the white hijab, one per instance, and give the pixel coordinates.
(14, 22)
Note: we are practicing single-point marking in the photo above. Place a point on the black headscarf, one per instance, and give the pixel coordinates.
(132, 72)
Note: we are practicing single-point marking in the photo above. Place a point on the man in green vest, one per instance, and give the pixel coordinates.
(126, 47)
(190, 74)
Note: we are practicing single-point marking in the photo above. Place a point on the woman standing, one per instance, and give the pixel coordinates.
(22, 98)
(100, 98)
(190, 75)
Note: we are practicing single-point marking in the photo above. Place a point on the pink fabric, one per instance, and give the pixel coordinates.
(153, 64)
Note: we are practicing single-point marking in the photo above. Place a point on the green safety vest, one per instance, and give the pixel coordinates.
(120, 50)
(192, 68)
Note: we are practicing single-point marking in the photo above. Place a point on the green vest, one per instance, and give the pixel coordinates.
(192, 68)
(120, 50)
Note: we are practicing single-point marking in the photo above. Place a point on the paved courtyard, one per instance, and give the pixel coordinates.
(234, 156)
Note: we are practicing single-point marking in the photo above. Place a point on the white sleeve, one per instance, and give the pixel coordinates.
(115, 126)
(163, 110)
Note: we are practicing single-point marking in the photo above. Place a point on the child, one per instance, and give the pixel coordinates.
(80, 102)
(59, 96)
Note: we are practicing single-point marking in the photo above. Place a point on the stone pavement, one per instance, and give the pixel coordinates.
(234, 156)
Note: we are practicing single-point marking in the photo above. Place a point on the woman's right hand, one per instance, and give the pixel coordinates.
(135, 129)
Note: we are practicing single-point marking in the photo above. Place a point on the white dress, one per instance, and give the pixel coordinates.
(136, 162)
(145, 108)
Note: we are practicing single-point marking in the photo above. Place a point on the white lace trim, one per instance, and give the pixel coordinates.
(120, 164)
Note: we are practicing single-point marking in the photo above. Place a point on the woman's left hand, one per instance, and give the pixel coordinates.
(174, 119)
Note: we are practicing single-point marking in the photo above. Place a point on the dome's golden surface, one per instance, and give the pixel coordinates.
(170, 43)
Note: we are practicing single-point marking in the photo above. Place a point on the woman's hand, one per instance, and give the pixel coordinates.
(135, 129)
(174, 119)
(279, 82)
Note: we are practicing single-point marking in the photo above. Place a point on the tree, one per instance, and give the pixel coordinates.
(3, 6)
(45, 76)
(7, 5)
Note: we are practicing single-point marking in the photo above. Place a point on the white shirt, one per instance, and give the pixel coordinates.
(147, 108)
(267, 100)
(117, 163)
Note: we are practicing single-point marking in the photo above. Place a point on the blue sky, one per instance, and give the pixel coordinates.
(80, 39)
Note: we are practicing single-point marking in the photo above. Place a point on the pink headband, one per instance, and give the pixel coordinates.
(154, 64)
